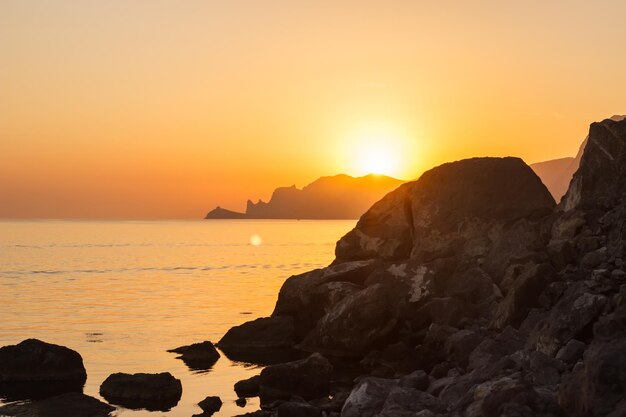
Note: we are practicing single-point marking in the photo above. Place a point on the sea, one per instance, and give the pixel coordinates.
(122, 293)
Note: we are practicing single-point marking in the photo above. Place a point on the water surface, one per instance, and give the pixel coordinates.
(122, 293)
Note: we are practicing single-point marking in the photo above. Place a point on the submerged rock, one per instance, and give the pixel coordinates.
(70, 404)
(155, 392)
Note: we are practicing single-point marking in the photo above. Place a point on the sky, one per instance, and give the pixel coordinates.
(150, 109)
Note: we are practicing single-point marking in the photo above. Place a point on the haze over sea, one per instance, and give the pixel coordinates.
(123, 292)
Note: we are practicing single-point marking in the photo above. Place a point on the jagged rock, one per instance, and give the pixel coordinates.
(598, 385)
(357, 324)
(70, 404)
(459, 346)
(210, 405)
(297, 409)
(155, 392)
(405, 402)
(35, 361)
(368, 397)
(523, 294)
(264, 340)
(308, 378)
(198, 356)
(570, 318)
(248, 387)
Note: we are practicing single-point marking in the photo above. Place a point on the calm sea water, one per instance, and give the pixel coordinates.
(122, 293)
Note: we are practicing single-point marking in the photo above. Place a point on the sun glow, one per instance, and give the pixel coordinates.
(378, 148)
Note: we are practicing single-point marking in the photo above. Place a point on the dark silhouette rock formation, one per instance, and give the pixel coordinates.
(70, 404)
(198, 356)
(337, 197)
(154, 392)
(513, 305)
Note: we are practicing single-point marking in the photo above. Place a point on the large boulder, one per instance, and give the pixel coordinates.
(307, 378)
(447, 210)
(70, 404)
(154, 392)
(34, 361)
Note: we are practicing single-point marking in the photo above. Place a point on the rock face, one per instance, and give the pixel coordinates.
(470, 293)
(35, 361)
(71, 404)
(154, 392)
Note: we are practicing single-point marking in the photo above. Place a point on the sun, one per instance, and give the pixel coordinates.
(376, 158)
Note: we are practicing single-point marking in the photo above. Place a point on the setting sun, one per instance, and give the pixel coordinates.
(377, 158)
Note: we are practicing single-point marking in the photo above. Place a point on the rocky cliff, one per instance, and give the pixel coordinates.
(469, 292)
(336, 197)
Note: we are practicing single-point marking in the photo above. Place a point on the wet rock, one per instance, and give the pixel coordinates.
(308, 378)
(210, 405)
(264, 340)
(198, 356)
(155, 392)
(248, 387)
(69, 404)
(35, 361)
(298, 409)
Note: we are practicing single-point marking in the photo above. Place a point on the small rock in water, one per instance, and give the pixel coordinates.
(198, 356)
(248, 387)
(210, 405)
(71, 404)
(241, 402)
(154, 392)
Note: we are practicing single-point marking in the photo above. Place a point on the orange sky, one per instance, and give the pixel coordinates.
(164, 109)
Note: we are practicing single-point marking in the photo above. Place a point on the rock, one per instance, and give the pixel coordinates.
(264, 340)
(297, 409)
(258, 413)
(70, 404)
(421, 219)
(154, 392)
(357, 324)
(308, 378)
(405, 402)
(248, 387)
(572, 317)
(571, 352)
(368, 397)
(399, 358)
(241, 402)
(416, 380)
(545, 370)
(210, 405)
(198, 356)
(490, 350)
(460, 345)
(595, 258)
(598, 385)
(447, 311)
(523, 295)
(330, 285)
(35, 361)
(561, 253)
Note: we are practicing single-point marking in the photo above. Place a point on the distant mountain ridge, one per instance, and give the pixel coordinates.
(333, 197)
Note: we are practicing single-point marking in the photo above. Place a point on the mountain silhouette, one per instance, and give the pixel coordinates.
(333, 197)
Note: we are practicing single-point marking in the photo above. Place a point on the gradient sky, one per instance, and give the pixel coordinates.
(165, 109)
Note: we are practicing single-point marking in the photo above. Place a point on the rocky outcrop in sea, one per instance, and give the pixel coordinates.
(466, 293)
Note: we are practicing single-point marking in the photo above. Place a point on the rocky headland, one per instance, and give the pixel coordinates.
(468, 292)
(334, 197)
